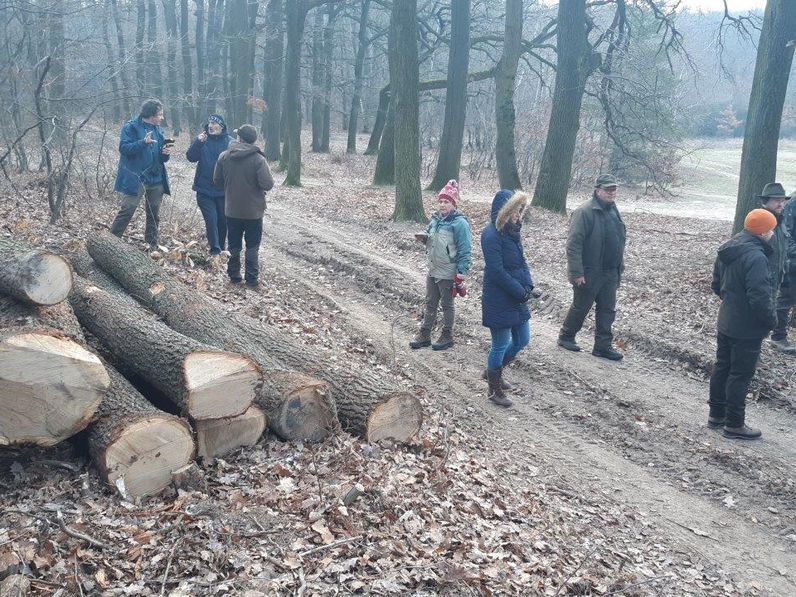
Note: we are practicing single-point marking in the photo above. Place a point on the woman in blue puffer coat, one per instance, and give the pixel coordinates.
(204, 151)
(506, 290)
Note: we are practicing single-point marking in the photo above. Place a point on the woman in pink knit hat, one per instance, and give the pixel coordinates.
(448, 241)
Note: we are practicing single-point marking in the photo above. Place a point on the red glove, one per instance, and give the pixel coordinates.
(458, 286)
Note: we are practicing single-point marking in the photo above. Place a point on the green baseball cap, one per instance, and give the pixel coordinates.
(605, 180)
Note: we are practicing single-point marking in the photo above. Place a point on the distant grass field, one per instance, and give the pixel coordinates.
(708, 178)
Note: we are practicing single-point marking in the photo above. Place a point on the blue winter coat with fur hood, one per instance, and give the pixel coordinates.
(507, 279)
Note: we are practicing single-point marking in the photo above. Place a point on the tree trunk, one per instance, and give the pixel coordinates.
(188, 97)
(177, 104)
(766, 101)
(201, 61)
(272, 78)
(298, 406)
(135, 446)
(217, 437)
(318, 62)
(153, 72)
(112, 69)
(296, 14)
(384, 173)
(57, 88)
(33, 276)
(50, 385)
(367, 403)
(215, 63)
(359, 63)
(572, 70)
(203, 382)
(140, 62)
(381, 119)
(328, 50)
(505, 76)
(126, 88)
(405, 81)
(240, 45)
(450, 143)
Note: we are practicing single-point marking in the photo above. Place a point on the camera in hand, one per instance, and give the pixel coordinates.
(168, 141)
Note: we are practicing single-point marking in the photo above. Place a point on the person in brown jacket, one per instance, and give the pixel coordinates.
(243, 172)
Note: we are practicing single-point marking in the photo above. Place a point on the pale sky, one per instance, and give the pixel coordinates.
(718, 5)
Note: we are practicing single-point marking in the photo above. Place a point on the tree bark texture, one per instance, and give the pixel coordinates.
(33, 276)
(572, 70)
(298, 407)
(318, 63)
(450, 143)
(177, 103)
(135, 446)
(296, 15)
(404, 82)
(766, 101)
(379, 122)
(240, 43)
(140, 61)
(50, 384)
(359, 63)
(152, 55)
(366, 402)
(328, 48)
(273, 64)
(384, 173)
(505, 78)
(203, 382)
(188, 98)
(201, 58)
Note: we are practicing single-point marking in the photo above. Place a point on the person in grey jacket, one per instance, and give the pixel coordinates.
(595, 262)
(243, 172)
(448, 241)
(787, 290)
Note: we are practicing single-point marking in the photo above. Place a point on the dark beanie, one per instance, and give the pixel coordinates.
(247, 133)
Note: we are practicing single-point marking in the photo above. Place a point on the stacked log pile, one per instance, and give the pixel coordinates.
(230, 375)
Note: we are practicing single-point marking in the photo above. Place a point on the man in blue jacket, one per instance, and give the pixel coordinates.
(142, 171)
(204, 152)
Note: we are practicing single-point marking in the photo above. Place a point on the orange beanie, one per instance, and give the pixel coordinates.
(759, 221)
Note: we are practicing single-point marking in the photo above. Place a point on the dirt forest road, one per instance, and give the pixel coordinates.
(631, 433)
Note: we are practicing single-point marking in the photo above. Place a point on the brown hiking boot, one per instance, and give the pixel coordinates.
(496, 395)
(421, 340)
(444, 342)
(504, 385)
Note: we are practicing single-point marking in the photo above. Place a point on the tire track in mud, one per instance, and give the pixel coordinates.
(664, 461)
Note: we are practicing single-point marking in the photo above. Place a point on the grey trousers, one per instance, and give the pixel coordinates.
(600, 291)
(153, 197)
(438, 291)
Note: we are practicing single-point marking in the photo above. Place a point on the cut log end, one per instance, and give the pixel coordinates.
(141, 460)
(221, 384)
(216, 437)
(306, 414)
(398, 418)
(50, 279)
(50, 387)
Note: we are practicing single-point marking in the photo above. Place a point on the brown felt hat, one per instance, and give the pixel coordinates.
(759, 221)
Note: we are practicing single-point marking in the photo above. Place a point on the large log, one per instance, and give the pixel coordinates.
(216, 437)
(203, 382)
(368, 405)
(135, 446)
(33, 276)
(298, 407)
(50, 385)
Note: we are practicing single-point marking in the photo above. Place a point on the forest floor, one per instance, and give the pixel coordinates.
(602, 479)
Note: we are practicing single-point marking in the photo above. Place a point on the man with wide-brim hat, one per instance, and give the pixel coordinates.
(595, 261)
(773, 199)
(786, 299)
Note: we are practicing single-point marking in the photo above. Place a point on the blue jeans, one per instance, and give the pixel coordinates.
(212, 209)
(507, 342)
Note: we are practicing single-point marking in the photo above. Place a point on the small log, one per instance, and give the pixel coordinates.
(135, 446)
(33, 276)
(50, 385)
(368, 405)
(298, 407)
(203, 382)
(216, 437)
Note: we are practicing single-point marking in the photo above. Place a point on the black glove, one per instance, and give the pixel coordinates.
(527, 296)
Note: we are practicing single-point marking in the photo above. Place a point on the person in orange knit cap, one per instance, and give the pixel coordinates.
(742, 279)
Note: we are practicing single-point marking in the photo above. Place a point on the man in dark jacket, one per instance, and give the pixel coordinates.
(773, 199)
(142, 171)
(243, 172)
(787, 290)
(204, 151)
(742, 279)
(595, 261)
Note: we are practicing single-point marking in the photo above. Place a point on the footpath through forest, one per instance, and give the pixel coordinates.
(603, 478)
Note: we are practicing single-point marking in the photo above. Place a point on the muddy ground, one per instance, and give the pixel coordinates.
(603, 478)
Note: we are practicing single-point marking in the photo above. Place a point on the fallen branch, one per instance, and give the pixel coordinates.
(78, 535)
(329, 546)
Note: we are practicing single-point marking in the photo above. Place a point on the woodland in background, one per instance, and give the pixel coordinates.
(473, 83)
